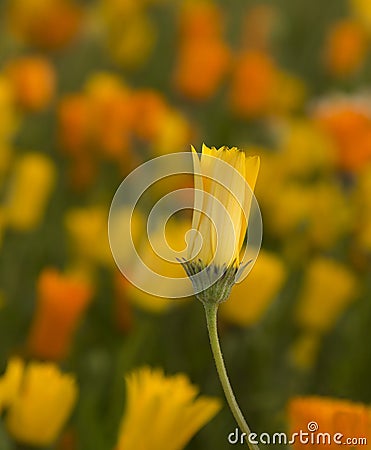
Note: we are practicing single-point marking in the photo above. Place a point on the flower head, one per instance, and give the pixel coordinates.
(162, 413)
(224, 181)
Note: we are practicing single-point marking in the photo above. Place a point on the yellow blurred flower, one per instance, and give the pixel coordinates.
(361, 9)
(290, 210)
(304, 149)
(30, 188)
(272, 174)
(125, 224)
(173, 134)
(250, 299)
(320, 213)
(8, 118)
(41, 401)
(61, 302)
(87, 225)
(345, 48)
(158, 255)
(289, 94)
(162, 413)
(127, 31)
(331, 214)
(130, 41)
(352, 420)
(328, 289)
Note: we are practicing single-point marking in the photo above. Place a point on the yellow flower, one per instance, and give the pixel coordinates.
(304, 149)
(222, 200)
(250, 299)
(29, 191)
(158, 255)
(328, 289)
(173, 134)
(131, 40)
(39, 399)
(224, 180)
(162, 413)
(361, 9)
(87, 225)
(8, 117)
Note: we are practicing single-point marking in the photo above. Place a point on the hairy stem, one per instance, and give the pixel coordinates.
(211, 318)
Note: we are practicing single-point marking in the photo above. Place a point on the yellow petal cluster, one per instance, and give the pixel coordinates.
(38, 398)
(222, 204)
(162, 412)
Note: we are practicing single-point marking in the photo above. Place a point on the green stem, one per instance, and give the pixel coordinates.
(211, 315)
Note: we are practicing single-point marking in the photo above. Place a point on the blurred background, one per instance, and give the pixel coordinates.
(91, 89)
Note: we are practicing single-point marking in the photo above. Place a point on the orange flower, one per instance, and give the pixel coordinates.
(201, 66)
(351, 420)
(49, 24)
(34, 81)
(345, 48)
(348, 122)
(253, 83)
(203, 56)
(200, 20)
(62, 299)
(111, 114)
(74, 126)
(149, 110)
(97, 124)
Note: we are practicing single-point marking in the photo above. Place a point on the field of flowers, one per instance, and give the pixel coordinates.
(90, 90)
